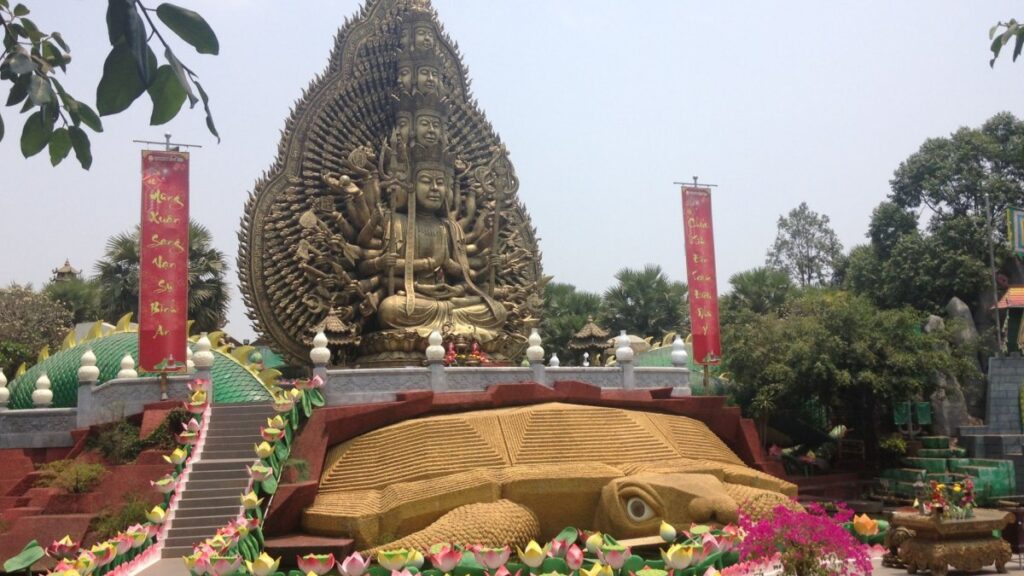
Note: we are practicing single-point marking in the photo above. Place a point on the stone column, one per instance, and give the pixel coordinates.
(203, 359)
(535, 354)
(320, 355)
(88, 377)
(624, 358)
(680, 359)
(435, 361)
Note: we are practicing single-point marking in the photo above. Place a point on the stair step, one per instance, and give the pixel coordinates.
(225, 484)
(216, 475)
(254, 437)
(201, 533)
(205, 465)
(211, 503)
(207, 493)
(176, 552)
(184, 541)
(248, 454)
(210, 522)
(222, 511)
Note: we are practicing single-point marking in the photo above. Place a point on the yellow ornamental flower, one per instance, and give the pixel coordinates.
(157, 515)
(864, 525)
(534, 555)
(956, 488)
(414, 559)
(941, 487)
(393, 560)
(598, 569)
(264, 449)
(667, 532)
(264, 565)
(198, 397)
(594, 543)
(176, 457)
(295, 394)
(276, 422)
(677, 557)
(250, 501)
(190, 561)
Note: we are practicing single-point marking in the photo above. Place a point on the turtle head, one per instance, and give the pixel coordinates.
(635, 506)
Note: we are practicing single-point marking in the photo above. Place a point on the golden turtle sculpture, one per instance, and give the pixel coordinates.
(506, 476)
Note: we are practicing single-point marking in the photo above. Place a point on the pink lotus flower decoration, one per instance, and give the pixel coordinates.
(402, 572)
(195, 407)
(271, 434)
(492, 558)
(558, 548)
(259, 472)
(123, 542)
(574, 557)
(223, 565)
(354, 565)
(614, 555)
(188, 438)
(283, 405)
(192, 425)
(138, 533)
(503, 571)
(311, 384)
(198, 384)
(446, 559)
(318, 564)
(104, 553)
(63, 549)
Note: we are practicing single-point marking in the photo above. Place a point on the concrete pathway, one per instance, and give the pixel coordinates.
(1013, 568)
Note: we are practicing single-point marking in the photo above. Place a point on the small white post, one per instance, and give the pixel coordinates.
(88, 377)
(203, 358)
(624, 358)
(435, 362)
(680, 359)
(554, 362)
(42, 396)
(320, 355)
(127, 368)
(535, 354)
(5, 393)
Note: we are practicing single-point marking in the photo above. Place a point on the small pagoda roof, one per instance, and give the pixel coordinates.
(67, 269)
(590, 337)
(1013, 298)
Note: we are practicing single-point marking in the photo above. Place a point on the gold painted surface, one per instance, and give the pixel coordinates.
(392, 209)
(565, 464)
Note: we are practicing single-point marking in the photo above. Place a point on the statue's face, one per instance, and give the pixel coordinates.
(428, 129)
(405, 77)
(430, 189)
(427, 78)
(424, 38)
(403, 123)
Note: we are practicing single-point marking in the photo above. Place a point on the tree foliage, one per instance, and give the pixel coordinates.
(118, 278)
(646, 303)
(835, 348)
(28, 322)
(1002, 34)
(806, 247)
(80, 296)
(760, 290)
(566, 310)
(58, 120)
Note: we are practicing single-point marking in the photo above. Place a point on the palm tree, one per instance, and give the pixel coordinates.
(760, 290)
(118, 277)
(646, 303)
(565, 312)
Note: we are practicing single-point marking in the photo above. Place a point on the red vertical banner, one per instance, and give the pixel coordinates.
(700, 273)
(163, 259)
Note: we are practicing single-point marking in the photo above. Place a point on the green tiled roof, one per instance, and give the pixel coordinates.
(232, 382)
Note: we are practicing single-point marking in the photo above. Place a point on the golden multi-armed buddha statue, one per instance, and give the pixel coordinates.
(391, 211)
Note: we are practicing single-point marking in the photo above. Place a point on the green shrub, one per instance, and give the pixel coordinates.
(163, 437)
(75, 477)
(132, 511)
(118, 442)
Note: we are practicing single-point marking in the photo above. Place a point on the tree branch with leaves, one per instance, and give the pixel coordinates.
(57, 120)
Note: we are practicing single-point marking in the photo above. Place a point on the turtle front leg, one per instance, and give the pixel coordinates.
(488, 524)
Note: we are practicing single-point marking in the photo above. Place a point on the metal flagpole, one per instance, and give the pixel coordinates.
(992, 265)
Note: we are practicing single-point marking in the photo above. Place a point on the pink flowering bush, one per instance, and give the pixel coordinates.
(805, 543)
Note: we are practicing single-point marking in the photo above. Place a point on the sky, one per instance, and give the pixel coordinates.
(603, 104)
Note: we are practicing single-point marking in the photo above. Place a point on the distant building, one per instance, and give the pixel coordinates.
(66, 272)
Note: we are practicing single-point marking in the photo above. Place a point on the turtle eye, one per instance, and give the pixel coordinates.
(638, 510)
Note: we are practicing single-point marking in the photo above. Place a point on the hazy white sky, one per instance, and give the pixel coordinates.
(603, 104)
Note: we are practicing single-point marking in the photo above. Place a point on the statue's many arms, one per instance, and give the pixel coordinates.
(507, 476)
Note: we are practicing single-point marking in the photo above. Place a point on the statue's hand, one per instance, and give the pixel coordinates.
(497, 260)
(389, 260)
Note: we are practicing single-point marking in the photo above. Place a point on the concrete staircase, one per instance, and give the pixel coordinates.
(211, 496)
(942, 462)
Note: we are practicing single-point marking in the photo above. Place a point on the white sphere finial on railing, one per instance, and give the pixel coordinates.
(623, 351)
(535, 352)
(190, 365)
(42, 396)
(88, 371)
(320, 354)
(5, 393)
(586, 359)
(554, 362)
(435, 351)
(127, 368)
(203, 356)
(680, 358)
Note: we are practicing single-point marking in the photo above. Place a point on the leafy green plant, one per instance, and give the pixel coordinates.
(118, 442)
(132, 511)
(70, 475)
(163, 436)
(29, 555)
(297, 468)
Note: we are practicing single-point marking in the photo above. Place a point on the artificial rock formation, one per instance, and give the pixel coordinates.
(523, 473)
(391, 210)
